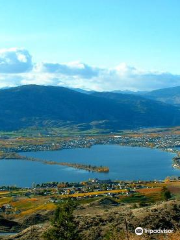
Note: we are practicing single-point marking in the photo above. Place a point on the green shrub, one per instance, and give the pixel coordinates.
(63, 224)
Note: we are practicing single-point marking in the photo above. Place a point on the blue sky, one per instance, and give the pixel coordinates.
(105, 35)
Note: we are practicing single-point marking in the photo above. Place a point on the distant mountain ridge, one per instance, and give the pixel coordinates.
(47, 106)
(166, 95)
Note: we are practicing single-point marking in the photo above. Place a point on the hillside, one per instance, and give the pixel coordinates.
(46, 106)
(166, 95)
(97, 222)
(147, 110)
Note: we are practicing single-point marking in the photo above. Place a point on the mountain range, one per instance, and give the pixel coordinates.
(166, 95)
(47, 106)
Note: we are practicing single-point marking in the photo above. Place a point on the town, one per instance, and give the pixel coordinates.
(19, 201)
(164, 139)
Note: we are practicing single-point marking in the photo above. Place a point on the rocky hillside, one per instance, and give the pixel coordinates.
(104, 220)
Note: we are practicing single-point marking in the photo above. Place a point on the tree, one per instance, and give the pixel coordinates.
(116, 234)
(165, 193)
(63, 224)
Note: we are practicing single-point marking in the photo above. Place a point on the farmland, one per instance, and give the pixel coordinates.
(22, 202)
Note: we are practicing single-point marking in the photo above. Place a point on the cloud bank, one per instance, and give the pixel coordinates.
(17, 68)
(15, 60)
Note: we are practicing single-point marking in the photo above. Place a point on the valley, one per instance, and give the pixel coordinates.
(102, 162)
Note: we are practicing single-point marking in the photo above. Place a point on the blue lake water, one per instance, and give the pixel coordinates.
(178, 148)
(7, 234)
(125, 163)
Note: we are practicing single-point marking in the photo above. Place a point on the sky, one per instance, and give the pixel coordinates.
(99, 44)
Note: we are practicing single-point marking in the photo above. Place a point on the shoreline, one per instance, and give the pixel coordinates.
(87, 167)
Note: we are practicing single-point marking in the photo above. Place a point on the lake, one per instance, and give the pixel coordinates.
(7, 234)
(125, 163)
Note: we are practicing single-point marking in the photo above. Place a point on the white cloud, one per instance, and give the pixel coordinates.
(15, 60)
(10, 80)
(71, 69)
(16, 68)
